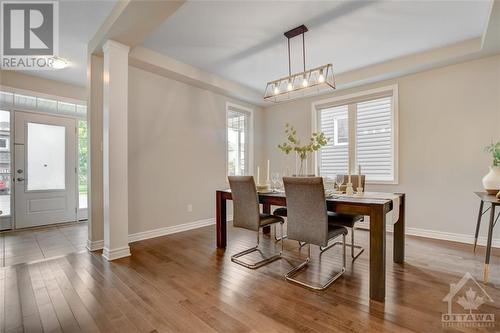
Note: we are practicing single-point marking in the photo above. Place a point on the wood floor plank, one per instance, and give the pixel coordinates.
(62, 309)
(2, 300)
(48, 316)
(12, 303)
(84, 318)
(142, 315)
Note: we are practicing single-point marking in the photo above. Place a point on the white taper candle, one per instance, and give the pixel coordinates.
(268, 166)
(359, 176)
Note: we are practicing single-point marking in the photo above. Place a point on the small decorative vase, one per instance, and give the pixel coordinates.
(491, 181)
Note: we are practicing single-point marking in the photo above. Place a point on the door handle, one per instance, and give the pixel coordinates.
(20, 179)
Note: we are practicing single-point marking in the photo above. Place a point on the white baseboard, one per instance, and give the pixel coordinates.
(118, 253)
(427, 233)
(169, 230)
(99, 245)
(95, 245)
(441, 235)
(449, 236)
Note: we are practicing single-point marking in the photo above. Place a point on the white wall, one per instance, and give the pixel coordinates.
(176, 150)
(446, 117)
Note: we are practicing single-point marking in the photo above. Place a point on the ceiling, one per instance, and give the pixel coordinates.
(244, 42)
(78, 22)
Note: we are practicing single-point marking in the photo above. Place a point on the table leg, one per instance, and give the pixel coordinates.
(221, 220)
(377, 254)
(399, 234)
(479, 215)
(266, 209)
(488, 245)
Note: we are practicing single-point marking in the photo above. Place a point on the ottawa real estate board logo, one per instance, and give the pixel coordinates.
(470, 295)
(30, 34)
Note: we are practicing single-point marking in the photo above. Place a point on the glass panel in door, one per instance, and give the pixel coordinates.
(46, 157)
(5, 162)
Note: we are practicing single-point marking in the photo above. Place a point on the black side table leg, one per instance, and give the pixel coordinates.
(488, 246)
(478, 223)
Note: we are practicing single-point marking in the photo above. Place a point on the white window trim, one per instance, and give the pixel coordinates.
(336, 131)
(391, 90)
(250, 134)
(35, 94)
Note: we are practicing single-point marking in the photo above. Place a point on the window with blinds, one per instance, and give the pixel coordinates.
(334, 157)
(374, 143)
(369, 142)
(238, 142)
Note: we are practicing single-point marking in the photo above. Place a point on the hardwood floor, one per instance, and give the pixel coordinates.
(21, 246)
(182, 283)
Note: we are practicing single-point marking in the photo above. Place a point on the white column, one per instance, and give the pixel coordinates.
(94, 120)
(115, 159)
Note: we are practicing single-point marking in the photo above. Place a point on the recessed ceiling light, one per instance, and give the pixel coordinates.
(59, 63)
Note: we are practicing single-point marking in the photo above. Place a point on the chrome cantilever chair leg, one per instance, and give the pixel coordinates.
(276, 238)
(352, 246)
(290, 275)
(265, 261)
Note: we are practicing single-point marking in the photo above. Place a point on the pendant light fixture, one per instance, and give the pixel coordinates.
(304, 83)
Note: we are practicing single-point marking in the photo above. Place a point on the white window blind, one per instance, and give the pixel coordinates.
(237, 142)
(374, 143)
(370, 141)
(334, 157)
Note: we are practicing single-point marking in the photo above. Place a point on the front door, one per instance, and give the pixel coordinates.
(44, 169)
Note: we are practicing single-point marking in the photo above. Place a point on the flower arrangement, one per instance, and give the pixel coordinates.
(316, 141)
(494, 150)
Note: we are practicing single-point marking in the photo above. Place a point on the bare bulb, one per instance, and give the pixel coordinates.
(304, 83)
(321, 78)
(289, 87)
(276, 90)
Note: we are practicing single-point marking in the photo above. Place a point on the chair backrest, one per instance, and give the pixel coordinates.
(246, 212)
(306, 210)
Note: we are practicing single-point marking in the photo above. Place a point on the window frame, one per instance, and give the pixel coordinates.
(236, 107)
(336, 131)
(350, 100)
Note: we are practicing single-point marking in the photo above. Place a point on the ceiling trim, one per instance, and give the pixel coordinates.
(160, 64)
(491, 37)
(131, 21)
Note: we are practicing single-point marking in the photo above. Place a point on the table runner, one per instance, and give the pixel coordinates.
(380, 195)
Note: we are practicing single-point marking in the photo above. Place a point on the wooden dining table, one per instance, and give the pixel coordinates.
(375, 208)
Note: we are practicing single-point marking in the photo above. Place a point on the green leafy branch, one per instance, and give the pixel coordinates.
(494, 150)
(316, 141)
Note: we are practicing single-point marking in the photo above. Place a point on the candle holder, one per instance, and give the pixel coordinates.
(262, 187)
(349, 189)
(359, 191)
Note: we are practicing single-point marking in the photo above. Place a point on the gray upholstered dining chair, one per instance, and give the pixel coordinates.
(246, 214)
(308, 222)
(281, 211)
(349, 220)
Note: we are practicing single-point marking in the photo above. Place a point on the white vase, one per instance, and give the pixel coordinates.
(491, 181)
